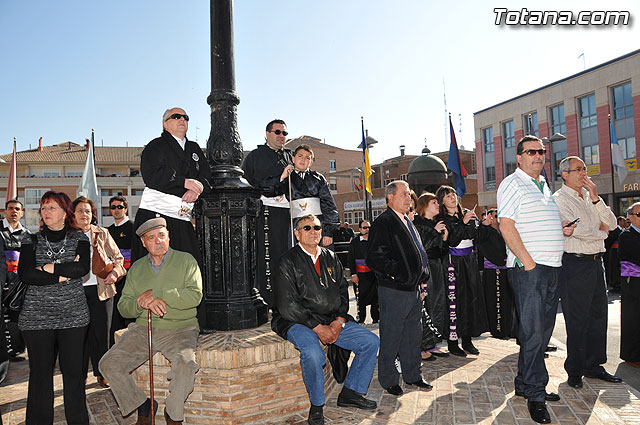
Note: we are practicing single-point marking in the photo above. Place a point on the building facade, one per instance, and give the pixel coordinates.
(60, 167)
(572, 117)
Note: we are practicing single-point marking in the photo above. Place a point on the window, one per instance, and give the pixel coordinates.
(622, 101)
(487, 139)
(590, 155)
(530, 125)
(558, 157)
(51, 174)
(588, 111)
(33, 196)
(507, 134)
(490, 174)
(556, 119)
(32, 207)
(376, 213)
(628, 146)
(332, 165)
(358, 216)
(347, 217)
(333, 183)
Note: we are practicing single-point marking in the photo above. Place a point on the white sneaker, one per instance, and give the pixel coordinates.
(397, 362)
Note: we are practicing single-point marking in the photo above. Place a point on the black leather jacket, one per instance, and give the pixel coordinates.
(301, 296)
(393, 255)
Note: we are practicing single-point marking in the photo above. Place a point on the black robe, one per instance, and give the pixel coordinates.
(471, 312)
(612, 260)
(629, 250)
(165, 166)
(498, 294)
(123, 236)
(436, 299)
(262, 168)
(367, 289)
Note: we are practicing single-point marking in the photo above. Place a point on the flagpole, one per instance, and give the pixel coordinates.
(613, 186)
(364, 182)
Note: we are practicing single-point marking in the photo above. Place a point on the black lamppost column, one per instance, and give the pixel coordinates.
(226, 217)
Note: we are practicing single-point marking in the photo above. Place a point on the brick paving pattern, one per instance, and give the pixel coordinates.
(472, 390)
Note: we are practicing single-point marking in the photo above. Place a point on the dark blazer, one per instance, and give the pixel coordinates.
(393, 255)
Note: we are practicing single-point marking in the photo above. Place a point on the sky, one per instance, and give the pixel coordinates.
(69, 66)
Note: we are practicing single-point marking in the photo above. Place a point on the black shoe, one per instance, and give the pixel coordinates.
(421, 384)
(16, 359)
(316, 418)
(575, 381)
(470, 348)
(606, 376)
(456, 351)
(546, 355)
(375, 320)
(440, 354)
(551, 348)
(547, 397)
(144, 412)
(394, 390)
(538, 412)
(350, 398)
(431, 358)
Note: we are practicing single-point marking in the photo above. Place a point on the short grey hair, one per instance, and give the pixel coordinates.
(392, 188)
(565, 164)
(631, 207)
(311, 217)
(166, 114)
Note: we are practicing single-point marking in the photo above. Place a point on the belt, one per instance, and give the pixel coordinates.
(593, 257)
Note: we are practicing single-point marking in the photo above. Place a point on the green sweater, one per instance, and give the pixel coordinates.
(179, 285)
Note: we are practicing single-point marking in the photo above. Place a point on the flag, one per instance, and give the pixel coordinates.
(617, 159)
(366, 169)
(89, 184)
(455, 164)
(12, 184)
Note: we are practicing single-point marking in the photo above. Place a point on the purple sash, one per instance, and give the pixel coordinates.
(460, 252)
(627, 268)
(489, 265)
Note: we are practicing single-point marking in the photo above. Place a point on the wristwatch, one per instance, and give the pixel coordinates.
(341, 322)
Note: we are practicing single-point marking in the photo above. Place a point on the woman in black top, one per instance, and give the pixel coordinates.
(468, 316)
(54, 315)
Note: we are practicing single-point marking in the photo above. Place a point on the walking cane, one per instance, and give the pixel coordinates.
(291, 212)
(153, 416)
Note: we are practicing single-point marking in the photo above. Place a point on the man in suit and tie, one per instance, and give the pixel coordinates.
(397, 257)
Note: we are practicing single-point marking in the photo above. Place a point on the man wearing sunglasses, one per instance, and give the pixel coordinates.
(121, 231)
(582, 286)
(629, 251)
(311, 305)
(534, 233)
(363, 278)
(262, 168)
(176, 173)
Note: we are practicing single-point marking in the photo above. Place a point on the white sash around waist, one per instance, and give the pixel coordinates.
(465, 243)
(166, 204)
(277, 201)
(305, 206)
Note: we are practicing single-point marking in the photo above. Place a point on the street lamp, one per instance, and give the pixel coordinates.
(557, 137)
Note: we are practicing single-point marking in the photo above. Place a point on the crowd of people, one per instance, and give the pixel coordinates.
(432, 273)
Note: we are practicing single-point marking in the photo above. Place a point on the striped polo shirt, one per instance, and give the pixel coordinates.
(536, 215)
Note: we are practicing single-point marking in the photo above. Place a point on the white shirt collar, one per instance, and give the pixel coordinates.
(313, 257)
(637, 230)
(126, 218)
(181, 142)
(6, 224)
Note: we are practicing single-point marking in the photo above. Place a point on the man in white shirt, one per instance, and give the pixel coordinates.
(582, 286)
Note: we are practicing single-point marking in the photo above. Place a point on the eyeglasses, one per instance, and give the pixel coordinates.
(308, 227)
(365, 227)
(279, 132)
(119, 207)
(50, 208)
(177, 117)
(532, 152)
(579, 170)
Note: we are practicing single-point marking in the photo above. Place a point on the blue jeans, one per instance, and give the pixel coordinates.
(363, 343)
(536, 297)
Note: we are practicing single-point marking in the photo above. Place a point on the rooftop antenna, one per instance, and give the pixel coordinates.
(584, 63)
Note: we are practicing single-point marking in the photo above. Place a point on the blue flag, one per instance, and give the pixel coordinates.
(455, 164)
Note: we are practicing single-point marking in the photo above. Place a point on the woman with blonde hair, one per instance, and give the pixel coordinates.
(97, 289)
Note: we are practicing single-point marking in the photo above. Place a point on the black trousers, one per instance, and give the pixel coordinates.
(97, 339)
(279, 238)
(400, 335)
(583, 296)
(43, 347)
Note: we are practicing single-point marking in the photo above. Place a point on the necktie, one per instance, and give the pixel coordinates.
(416, 240)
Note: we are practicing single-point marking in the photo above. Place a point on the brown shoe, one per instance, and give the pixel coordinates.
(169, 420)
(102, 382)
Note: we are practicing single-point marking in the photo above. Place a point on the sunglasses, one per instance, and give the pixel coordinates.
(636, 214)
(365, 227)
(532, 152)
(178, 116)
(279, 132)
(118, 207)
(308, 227)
